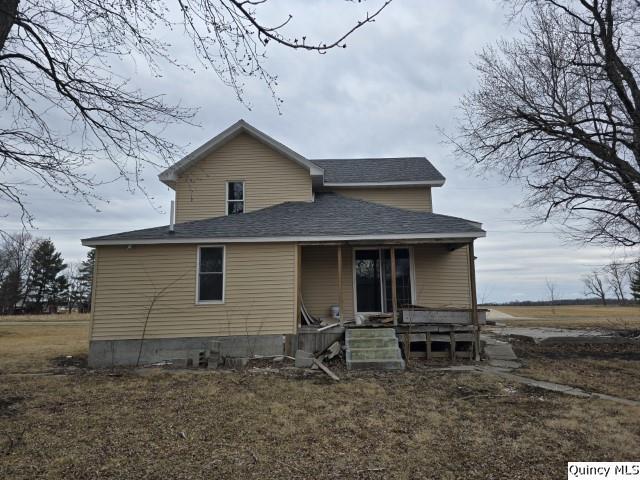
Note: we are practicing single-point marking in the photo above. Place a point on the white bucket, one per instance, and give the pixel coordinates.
(335, 311)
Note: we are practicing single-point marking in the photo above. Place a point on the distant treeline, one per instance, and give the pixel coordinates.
(617, 283)
(566, 301)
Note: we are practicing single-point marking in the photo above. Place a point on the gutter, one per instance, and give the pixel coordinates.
(89, 242)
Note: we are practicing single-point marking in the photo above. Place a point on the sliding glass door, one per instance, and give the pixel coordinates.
(373, 279)
(403, 278)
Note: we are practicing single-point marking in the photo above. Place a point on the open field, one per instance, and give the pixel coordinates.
(266, 424)
(573, 316)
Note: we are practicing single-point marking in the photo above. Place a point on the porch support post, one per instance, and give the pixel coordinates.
(474, 300)
(298, 286)
(394, 297)
(340, 295)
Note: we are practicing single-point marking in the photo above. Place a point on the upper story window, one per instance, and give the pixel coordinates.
(235, 197)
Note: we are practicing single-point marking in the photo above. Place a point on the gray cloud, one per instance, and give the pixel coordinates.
(386, 94)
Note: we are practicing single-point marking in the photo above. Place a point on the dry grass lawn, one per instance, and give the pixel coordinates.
(60, 317)
(574, 316)
(31, 348)
(261, 424)
(602, 368)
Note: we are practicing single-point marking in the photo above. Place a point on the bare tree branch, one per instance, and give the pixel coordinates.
(594, 285)
(558, 109)
(66, 109)
(617, 275)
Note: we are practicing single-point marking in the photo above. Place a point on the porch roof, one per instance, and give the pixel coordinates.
(330, 217)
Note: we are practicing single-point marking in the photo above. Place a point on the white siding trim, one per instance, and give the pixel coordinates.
(224, 275)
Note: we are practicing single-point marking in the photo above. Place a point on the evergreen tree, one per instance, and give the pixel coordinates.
(10, 291)
(46, 265)
(76, 294)
(635, 282)
(85, 278)
(59, 293)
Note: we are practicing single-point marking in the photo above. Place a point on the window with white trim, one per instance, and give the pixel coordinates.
(235, 197)
(210, 274)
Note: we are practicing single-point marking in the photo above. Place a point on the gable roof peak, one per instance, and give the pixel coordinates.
(171, 174)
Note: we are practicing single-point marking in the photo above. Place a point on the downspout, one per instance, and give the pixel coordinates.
(172, 216)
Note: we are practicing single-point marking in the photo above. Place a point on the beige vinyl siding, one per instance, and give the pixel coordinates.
(411, 198)
(319, 272)
(269, 177)
(260, 292)
(442, 277)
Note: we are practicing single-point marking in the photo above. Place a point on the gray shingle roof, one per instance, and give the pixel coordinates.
(330, 216)
(377, 170)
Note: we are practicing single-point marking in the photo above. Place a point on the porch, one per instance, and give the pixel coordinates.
(431, 305)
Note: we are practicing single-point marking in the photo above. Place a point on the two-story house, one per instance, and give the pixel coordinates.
(262, 233)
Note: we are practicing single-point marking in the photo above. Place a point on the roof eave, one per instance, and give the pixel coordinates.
(410, 183)
(89, 242)
(169, 179)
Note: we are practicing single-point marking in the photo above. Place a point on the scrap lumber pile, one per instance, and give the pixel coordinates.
(308, 360)
(382, 318)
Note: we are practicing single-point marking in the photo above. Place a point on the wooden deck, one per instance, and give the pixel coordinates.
(432, 341)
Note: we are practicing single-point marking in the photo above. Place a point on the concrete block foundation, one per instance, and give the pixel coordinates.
(111, 353)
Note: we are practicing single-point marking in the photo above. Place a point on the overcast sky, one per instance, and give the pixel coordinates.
(385, 95)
